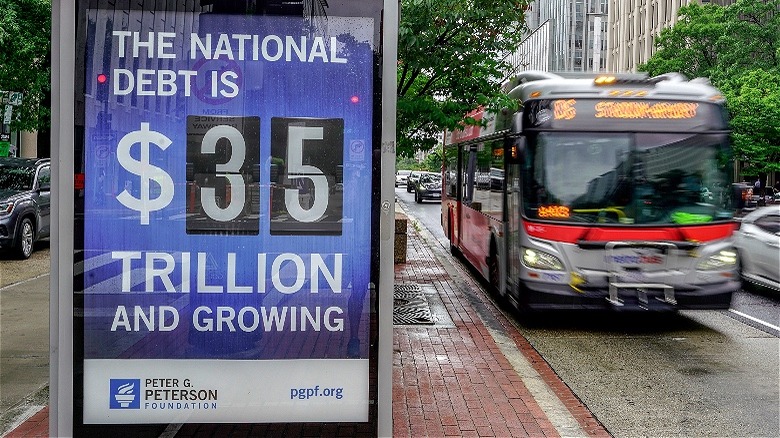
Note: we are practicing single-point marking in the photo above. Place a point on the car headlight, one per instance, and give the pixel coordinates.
(541, 260)
(725, 259)
(6, 208)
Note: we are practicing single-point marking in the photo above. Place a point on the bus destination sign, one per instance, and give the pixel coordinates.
(588, 114)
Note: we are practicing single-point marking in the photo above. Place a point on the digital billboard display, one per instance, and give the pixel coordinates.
(623, 114)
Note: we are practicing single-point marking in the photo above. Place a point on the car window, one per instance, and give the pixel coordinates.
(16, 178)
(770, 223)
(44, 176)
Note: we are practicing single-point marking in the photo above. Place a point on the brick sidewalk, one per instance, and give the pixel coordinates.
(456, 381)
(447, 381)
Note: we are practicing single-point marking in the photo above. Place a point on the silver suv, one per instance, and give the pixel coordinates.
(25, 203)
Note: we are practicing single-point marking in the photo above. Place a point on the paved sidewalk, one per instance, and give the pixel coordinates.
(469, 374)
(458, 381)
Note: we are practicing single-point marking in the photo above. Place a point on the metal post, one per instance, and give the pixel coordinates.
(61, 278)
(387, 220)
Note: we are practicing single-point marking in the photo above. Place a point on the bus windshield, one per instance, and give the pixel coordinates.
(627, 178)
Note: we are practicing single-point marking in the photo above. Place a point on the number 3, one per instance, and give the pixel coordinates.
(230, 171)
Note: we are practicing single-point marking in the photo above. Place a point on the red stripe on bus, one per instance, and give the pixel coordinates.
(574, 233)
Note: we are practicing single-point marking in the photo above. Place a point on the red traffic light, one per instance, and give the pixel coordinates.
(354, 99)
(102, 78)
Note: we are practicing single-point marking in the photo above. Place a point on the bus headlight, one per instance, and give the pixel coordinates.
(725, 259)
(541, 260)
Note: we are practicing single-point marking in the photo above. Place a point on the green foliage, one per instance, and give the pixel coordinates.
(402, 162)
(738, 48)
(754, 101)
(25, 59)
(433, 159)
(450, 62)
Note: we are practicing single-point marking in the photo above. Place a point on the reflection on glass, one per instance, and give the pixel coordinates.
(627, 178)
(16, 178)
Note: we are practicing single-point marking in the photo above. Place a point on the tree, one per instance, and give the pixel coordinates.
(433, 159)
(25, 59)
(450, 61)
(737, 48)
(754, 98)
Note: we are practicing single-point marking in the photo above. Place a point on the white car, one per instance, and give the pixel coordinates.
(758, 243)
(401, 177)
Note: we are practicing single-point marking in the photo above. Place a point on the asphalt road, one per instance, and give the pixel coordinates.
(697, 373)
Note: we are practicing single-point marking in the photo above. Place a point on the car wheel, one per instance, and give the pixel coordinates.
(408, 189)
(25, 239)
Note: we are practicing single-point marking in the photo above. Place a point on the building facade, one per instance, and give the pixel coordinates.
(633, 26)
(595, 35)
(573, 31)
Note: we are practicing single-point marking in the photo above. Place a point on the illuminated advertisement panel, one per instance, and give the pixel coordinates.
(226, 260)
(623, 115)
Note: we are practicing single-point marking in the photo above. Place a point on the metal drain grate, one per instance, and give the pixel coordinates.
(410, 306)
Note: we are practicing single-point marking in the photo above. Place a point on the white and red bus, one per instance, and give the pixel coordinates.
(600, 192)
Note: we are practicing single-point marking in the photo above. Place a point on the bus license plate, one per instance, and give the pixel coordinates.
(644, 257)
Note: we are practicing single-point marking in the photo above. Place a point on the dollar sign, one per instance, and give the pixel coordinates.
(145, 171)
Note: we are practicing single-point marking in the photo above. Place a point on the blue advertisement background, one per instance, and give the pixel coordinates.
(267, 89)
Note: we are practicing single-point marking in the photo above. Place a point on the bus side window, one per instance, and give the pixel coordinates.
(469, 174)
(450, 183)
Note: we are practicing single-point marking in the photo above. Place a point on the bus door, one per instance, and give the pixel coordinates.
(452, 193)
(468, 158)
(514, 227)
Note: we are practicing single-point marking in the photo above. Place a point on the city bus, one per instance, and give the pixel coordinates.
(605, 192)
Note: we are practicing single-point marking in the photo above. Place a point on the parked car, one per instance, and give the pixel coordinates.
(705, 195)
(401, 176)
(742, 196)
(482, 180)
(411, 180)
(428, 186)
(496, 179)
(758, 243)
(25, 203)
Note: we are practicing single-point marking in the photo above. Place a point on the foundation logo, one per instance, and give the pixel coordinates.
(125, 394)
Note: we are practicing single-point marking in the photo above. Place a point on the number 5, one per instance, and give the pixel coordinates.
(296, 169)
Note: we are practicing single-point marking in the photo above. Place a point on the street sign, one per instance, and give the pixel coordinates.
(227, 227)
(99, 137)
(15, 98)
(7, 114)
(11, 98)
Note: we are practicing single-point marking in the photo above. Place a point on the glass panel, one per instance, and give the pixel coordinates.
(627, 178)
(44, 177)
(16, 178)
(226, 222)
(451, 173)
(770, 224)
(489, 178)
